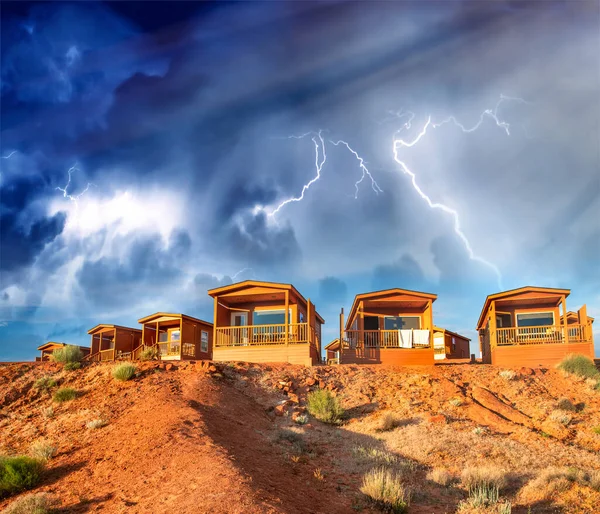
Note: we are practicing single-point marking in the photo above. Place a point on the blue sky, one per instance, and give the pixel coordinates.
(146, 147)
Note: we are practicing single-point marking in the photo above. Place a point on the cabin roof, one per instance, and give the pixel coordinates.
(376, 294)
(151, 317)
(440, 329)
(572, 314)
(512, 292)
(335, 342)
(102, 326)
(54, 343)
(257, 283)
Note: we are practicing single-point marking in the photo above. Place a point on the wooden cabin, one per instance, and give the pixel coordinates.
(332, 352)
(48, 348)
(524, 327)
(177, 336)
(449, 345)
(265, 322)
(113, 342)
(394, 327)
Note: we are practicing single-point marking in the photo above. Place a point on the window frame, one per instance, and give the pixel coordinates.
(517, 314)
(204, 348)
(409, 316)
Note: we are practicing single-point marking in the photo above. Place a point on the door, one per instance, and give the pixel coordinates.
(239, 335)
(371, 338)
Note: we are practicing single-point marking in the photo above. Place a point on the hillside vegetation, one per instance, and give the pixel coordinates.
(238, 438)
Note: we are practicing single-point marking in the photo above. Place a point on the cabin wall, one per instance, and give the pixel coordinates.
(546, 355)
(294, 354)
(388, 356)
(192, 332)
(461, 348)
(125, 340)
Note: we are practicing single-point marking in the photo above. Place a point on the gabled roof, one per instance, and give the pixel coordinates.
(455, 334)
(178, 315)
(376, 294)
(512, 292)
(99, 328)
(49, 344)
(333, 343)
(572, 314)
(257, 283)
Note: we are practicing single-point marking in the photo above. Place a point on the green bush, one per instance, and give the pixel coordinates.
(67, 353)
(148, 354)
(44, 383)
(324, 406)
(124, 371)
(18, 474)
(72, 366)
(65, 394)
(386, 489)
(34, 503)
(579, 365)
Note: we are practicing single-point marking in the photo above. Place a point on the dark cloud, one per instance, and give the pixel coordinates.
(206, 281)
(332, 290)
(405, 273)
(60, 331)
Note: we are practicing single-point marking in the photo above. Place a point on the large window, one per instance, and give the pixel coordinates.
(402, 322)
(535, 319)
(271, 317)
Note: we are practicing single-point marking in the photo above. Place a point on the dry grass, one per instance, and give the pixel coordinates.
(96, 423)
(35, 503)
(508, 374)
(66, 354)
(456, 402)
(318, 474)
(386, 489)
(44, 383)
(440, 476)
(388, 422)
(594, 480)
(374, 455)
(560, 416)
(487, 476)
(550, 483)
(579, 365)
(47, 412)
(65, 394)
(41, 449)
(124, 371)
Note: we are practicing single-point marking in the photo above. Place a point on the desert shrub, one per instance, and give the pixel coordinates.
(550, 483)
(48, 412)
(42, 450)
(67, 354)
(482, 477)
(440, 476)
(19, 473)
(596, 430)
(44, 383)
(594, 480)
(296, 440)
(72, 366)
(148, 354)
(375, 455)
(507, 374)
(324, 406)
(34, 503)
(560, 416)
(301, 419)
(479, 430)
(456, 402)
(579, 365)
(64, 394)
(388, 422)
(124, 371)
(386, 489)
(96, 423)
(566, 405)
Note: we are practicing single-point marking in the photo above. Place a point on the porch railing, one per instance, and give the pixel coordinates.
(550, 334)
(101, 356)
(387, 339)
(169, 348)
(264, 335)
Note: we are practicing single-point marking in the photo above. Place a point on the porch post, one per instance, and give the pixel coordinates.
(156, 342)
(215, 324)
(493, 328)
(361, 323)
(431, 323)
(341, 350)
(308, 323)
(563, 301)
(286, 318)
(181, 338)
(114, 344)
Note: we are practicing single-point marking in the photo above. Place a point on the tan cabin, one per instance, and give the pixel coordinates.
(332, 352)
(113, 342)
(448, 345)
(394, 326)
(525, 327)
(48, 348)
(265, 322)
(177, 336)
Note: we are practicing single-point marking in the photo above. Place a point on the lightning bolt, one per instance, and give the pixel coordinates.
(399, 143)
(9, 155)
(233, 277)
(73, 198)
(320, 158)
(363, 167)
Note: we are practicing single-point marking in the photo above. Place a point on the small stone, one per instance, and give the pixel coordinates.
(279, 410)
(212, 369)
(310, 381)
(526, 371)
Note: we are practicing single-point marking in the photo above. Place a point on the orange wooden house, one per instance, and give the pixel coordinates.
(48, 348)
(448, 345)
(524, 327)
(265, 322)
(113, 342)
(177, 336)
(394, 326)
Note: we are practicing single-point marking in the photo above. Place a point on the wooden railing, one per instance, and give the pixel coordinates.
(551, 334)
(264, 335)
(168, 348)
(439, 350)
(385, 339)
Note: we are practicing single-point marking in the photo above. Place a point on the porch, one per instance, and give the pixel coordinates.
(264, 335)
(406, 339)
(112, 342)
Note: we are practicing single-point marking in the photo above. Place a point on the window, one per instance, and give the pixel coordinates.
(204, 341)
(402, 322)
(163, 337)
(174, 334)
(301, 318)
(273, 317)
(535, 319)
(453, 343)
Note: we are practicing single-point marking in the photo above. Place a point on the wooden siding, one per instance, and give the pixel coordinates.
(547, 355)
(388, 356)
(294, 354)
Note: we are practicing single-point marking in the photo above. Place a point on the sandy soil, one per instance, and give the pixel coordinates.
(202, 437)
